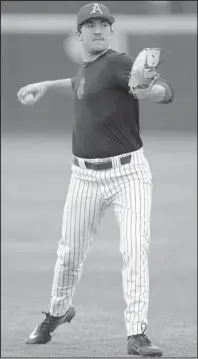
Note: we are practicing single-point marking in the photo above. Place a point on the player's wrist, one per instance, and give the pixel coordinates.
(48, 84)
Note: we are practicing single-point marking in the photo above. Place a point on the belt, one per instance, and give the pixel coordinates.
(101, 166)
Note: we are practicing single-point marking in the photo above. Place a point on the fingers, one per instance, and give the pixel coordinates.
(20, 93)
(37, 96)
(24, 91)
(37, 90)
(27, 101)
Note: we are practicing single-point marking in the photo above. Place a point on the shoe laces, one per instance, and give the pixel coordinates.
(142, 338)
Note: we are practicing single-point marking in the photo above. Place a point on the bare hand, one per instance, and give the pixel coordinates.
(37, 90)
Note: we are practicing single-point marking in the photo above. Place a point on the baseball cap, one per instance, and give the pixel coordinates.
(94, 10)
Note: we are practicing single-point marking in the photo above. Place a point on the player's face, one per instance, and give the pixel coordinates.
(95, 36)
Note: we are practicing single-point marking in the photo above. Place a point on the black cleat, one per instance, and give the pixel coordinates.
(41, 334)
(139, 344)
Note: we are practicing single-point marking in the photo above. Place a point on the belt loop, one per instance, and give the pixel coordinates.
(116, 162)
(81, 162)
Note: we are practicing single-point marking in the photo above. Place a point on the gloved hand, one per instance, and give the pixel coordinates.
(144, 72)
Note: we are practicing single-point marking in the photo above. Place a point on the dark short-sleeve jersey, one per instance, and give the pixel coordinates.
(106, 116)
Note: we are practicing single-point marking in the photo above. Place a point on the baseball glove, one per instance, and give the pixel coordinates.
(144, 72)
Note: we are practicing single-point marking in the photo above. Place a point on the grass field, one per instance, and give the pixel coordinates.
(35, 176)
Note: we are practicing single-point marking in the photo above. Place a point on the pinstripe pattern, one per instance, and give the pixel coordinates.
(82, 212)
(128, 189)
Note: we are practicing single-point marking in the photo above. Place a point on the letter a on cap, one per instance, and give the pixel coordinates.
(95, 8)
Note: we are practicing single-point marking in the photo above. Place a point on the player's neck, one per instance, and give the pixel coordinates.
(88, 56)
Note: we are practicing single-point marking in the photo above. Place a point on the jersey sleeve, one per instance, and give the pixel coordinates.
(122, 70)
(73, 81)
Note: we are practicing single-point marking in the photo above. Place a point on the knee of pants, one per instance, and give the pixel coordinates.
(135, 253)
(69, 256)
(63, 248)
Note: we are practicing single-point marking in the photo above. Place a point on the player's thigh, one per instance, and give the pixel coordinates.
(133, 210)
(82, 211)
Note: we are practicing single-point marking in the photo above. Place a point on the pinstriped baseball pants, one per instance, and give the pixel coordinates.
(128, 189)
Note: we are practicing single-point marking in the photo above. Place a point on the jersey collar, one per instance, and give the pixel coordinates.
(85, 63)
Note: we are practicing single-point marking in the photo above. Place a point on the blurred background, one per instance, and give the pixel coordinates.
(38, 43)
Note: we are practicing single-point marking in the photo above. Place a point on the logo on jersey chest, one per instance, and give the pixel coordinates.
(95, 8)
(80, 90)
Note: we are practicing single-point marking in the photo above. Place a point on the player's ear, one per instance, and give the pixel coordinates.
(111, 30)
(79, 33)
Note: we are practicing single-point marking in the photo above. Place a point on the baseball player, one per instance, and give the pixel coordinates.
(108, 168)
